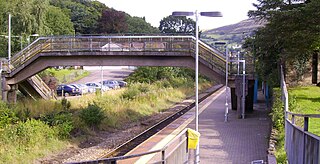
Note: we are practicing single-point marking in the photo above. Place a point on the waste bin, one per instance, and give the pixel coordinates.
(193, 138)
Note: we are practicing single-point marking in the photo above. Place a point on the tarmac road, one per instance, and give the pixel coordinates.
(109, 74)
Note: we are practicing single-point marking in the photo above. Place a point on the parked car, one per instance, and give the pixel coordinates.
(83, 88)
(111, 84)
(97, 86)
(67, 90)
(122, 83)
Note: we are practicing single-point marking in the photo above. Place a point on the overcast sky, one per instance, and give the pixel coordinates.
(233, 11)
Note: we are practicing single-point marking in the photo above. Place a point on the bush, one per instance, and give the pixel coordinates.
(92, 115)
(278, 119)
(131, 92)
(65, 104)
(62, 123)
(7, 116)
(28, 134)
(277, 114)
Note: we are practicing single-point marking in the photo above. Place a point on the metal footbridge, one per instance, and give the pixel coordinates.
(105, 50)
(178, 51)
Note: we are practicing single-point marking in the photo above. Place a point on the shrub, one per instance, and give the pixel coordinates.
(62, 123)
(65, 104)
(131, 92)
(92, 115)
(277, 114)
(7, 116)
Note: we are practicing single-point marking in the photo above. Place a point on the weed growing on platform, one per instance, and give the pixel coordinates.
(277, 117)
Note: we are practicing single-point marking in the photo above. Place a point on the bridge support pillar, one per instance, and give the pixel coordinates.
(12, 94)
(236, 100)
(9, 92)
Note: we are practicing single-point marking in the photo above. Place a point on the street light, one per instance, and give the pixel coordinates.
(227, 60)
(196, 14)
(28, 39)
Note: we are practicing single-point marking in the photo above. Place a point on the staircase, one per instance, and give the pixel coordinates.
(33, 87)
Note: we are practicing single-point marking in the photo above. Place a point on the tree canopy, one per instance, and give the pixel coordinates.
(290, 37)
(177, 24)
(63, 17)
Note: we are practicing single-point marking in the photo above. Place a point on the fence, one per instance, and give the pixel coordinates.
(175, 152)
(301, 146)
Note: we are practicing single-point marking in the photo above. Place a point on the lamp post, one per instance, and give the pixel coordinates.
(196, 14)
(28, 39)
(9, 38)
(227, 60)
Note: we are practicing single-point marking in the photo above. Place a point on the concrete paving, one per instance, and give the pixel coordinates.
(238, 141)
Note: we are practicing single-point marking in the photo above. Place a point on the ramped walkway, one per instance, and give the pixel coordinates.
(239, 141)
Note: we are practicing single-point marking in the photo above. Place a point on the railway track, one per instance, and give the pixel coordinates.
(132, 143)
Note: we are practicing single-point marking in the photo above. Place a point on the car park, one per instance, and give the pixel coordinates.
(67, 90)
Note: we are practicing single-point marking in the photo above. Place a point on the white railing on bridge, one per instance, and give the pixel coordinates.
(301, 145)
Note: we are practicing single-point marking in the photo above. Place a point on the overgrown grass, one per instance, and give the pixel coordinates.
(65, 75)
(277, 116)
(136, 102)
(307, 100)
(24, 141)
(33, 129)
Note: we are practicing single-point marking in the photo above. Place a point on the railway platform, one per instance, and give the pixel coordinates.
(238, 141)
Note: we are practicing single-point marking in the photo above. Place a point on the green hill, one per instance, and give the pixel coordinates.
(233, 34)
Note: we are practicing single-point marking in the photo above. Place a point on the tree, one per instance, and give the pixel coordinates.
(139, 25)
(177, 24)
(83, 13)
(58, 23)
(290, 37)
(112, 21)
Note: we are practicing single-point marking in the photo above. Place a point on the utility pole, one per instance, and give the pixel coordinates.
(9, 38)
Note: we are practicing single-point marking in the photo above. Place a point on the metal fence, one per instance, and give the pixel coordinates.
(302, 147)
(175, 152)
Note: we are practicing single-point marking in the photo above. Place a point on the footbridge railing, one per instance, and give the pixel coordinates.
(301, 145)
(159, 44)
(129, 45)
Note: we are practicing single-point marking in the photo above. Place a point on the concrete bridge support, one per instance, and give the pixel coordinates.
(237, 99)
(9, 92)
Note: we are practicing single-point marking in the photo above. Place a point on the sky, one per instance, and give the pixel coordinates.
(233, 11)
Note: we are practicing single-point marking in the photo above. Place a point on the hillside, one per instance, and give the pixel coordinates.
(245, 26)
(233, 34)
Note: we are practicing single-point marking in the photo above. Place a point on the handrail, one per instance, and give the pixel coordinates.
(96, 43)
(301, 146)
(44, 88)
(114, 159)
(215, 59)
(304, 115)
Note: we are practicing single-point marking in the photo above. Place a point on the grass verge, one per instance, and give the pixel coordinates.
(307, 101)
(32, 130)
